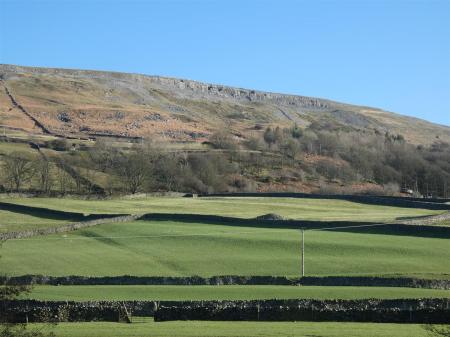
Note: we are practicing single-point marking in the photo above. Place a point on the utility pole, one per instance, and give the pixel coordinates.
(303, 253)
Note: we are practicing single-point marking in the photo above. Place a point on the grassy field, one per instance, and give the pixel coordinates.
(234, 329)
(7, 148)
(165, 248)
(181, 293)
(306, 209)
(11, 222)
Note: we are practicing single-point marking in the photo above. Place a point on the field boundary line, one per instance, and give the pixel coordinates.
(324, 281)
(66, 228)
(431, 204)
(412, 310)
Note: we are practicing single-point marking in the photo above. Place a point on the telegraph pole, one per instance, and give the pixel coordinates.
(303, 253)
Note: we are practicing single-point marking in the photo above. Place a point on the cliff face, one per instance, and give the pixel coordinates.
(212, 90)
(74, 102)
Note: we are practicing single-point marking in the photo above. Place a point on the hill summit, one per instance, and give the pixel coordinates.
(94, 103)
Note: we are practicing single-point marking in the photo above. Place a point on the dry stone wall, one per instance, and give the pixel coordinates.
(66, 228)
(428, 220)
(370, 310)
(352, 281)
(386, 311)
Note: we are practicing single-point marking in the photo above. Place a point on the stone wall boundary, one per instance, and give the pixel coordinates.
(342, 281)
(369, 310)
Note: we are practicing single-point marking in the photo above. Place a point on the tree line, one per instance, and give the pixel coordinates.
(338, 156)
(350, 155)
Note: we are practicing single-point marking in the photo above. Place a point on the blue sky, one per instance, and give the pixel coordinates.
(389, 54)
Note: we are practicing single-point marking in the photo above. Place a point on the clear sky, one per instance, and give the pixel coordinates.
(389, 54)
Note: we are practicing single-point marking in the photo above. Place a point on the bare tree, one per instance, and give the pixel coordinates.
(18, 169)
(64, 180)
(132, 169)
(42, 170)
(291, 148)
(103, 155)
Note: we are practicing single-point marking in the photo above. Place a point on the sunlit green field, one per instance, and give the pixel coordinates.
(296, 208)
(13, 222)
(234, 329)
(247, 292)
(167, 248)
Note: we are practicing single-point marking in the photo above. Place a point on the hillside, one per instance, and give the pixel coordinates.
(91, 103)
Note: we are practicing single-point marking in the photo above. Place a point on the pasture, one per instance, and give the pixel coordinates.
(235, 292)
(199, 247)
(14, 222)
(169, 248)
(233, 329)
(241, 207)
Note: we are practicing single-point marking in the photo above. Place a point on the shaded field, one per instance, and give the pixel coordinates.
(233, 329)
(167, 248)
(243, 207)
(186, 293)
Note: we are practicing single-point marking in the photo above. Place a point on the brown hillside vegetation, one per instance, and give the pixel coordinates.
(78, 102)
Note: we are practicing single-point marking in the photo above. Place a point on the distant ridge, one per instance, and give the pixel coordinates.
(86, 102)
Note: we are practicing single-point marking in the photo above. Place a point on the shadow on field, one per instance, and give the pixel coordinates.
(401, 230)
(339, 226)
(392, 201)
(106, 240)
(48, 213)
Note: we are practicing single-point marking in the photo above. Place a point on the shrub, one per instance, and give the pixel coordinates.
(223, 140)
(59, 144)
